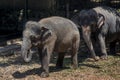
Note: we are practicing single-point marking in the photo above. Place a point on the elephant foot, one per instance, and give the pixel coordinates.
(104, 57)
(74, 66)
(93, 59)
(96, 58)
(44, 74)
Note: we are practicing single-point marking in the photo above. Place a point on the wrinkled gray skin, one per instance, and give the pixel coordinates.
(51, 34)
(101, 24)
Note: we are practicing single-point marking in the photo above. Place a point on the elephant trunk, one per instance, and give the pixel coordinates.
(26, 50)
(27, 55)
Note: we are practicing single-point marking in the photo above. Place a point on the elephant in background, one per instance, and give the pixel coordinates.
(101, 24)
(52, 34)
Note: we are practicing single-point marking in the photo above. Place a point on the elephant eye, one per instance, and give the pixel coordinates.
(32, 38)
(93, 24)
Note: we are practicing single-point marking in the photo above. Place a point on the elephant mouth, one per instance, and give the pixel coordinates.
(35, 44)
(28, 53)
(86, 28)
(28, 56)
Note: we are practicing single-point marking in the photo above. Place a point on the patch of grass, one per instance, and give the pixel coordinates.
(13, 67)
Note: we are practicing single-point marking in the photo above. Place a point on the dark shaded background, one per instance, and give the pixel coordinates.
(14, 13)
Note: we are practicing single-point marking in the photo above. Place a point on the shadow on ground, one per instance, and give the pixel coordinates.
(35, 71)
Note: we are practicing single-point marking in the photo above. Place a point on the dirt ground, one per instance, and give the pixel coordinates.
(13, 67)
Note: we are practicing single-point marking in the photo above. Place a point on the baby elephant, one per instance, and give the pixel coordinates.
(51, 34)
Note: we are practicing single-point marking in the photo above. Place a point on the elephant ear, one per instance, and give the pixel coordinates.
(101, 20)
(45, 33)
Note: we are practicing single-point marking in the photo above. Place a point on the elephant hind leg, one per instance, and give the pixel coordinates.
(60, 59)
(74, 56)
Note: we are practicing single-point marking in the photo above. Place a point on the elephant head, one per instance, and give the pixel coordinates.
(90, 22)
(34, 35)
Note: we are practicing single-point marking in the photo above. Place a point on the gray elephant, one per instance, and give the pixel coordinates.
(101, 24)
(53, 34)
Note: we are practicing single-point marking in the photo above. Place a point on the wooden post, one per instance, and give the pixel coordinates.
(26, 10)
(67, 9)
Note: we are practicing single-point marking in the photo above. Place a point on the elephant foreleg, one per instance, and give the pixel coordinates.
(102, 46)
(45, 59)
